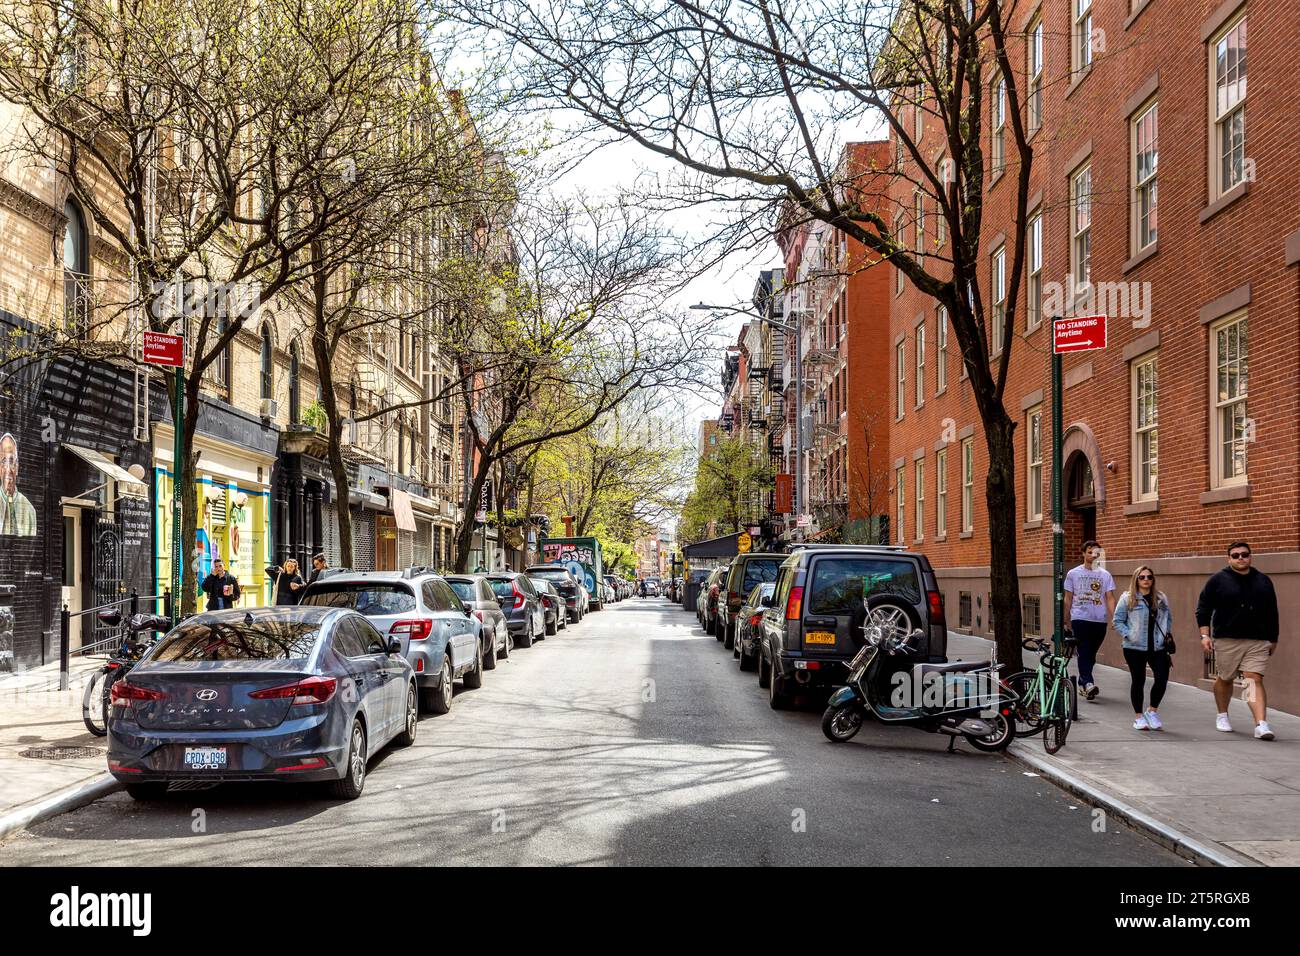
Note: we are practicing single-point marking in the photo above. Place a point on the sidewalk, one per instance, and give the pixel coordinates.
(1222, 790)
(37, 718)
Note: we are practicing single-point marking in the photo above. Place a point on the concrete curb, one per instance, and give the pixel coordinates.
(71, 798)
(1198, 852)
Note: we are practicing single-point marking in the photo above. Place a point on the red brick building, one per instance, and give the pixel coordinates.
(1181, 436)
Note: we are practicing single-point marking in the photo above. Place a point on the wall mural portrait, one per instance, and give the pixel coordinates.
(17, 516)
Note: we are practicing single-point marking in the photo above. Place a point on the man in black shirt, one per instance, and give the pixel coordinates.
(1241, 605)
(317, 566)
(221, 587)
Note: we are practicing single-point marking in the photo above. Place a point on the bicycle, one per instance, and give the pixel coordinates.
(98, 696)
(1047, 695)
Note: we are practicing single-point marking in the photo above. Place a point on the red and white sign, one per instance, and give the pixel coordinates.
(1081, 334)
(162, 348)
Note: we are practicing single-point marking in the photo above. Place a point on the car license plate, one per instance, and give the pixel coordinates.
(205, 758)
(819, 637)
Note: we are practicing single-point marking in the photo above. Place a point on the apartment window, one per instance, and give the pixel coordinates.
(219, 370)
(1082, 35)
(1228, 82)
(295, 385)
(941, 358)
(920, 499)
(898, 480)
(1034, 458)
(919, 204)
(1035, 92)
(920, 365)
(76, 266)
(1034, 295)
(1146, 426)
(941, 222)
(1031, 615)
(941, 492)
(898, 240)
(901, 385)
(1230, 428)
(918, 114)
(267, 363)
(1146, 159)
(963, 609)
(968, 484)
(1081, 225)
(999, 127)
(999, 276)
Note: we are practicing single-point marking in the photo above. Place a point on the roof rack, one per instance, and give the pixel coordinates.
(846, 547)
(330, 572)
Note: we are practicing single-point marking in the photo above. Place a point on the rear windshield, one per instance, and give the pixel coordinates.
(552, 574)
(371, 598)
(465, 590)
(501, 588)
(238, 641)
(759, 571)
(839, 583)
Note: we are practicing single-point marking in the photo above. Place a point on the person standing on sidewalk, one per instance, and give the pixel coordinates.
(1143, 618)
(221, 588)
(1239, 603)
(1089, 604)
(318, 564)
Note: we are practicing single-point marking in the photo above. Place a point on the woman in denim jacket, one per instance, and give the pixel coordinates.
(1143, 619)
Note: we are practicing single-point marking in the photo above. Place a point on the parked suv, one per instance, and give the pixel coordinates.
(747, 571)
(812, 625)
(569, 587)
(522, 605)
(709, 599)
(475, 591)
(441, 638)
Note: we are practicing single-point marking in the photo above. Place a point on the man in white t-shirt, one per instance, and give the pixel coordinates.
(1089, 605)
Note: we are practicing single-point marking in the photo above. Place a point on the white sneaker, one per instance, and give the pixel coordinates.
(1153, 720)
(1221, 724)
(1140, 722)
(1263, 731)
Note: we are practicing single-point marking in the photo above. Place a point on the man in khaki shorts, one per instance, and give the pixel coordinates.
(1240, 604)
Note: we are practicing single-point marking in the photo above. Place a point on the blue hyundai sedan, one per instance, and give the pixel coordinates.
(276, 693)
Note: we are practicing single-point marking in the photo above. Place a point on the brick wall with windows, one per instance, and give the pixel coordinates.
(1159, 179)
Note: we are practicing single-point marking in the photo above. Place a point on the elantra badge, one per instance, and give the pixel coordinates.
(207, 694)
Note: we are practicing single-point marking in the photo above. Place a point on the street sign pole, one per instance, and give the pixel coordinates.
(1058, 511)
(178, 445)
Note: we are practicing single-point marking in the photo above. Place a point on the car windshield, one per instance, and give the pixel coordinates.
(268, 640)
(841, 583)
(760, 572)
(371, 598)
(464, 590)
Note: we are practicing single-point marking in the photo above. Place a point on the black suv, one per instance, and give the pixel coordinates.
(747, 571)
(812, 625)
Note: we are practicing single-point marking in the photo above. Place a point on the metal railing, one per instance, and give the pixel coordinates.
(96, 646)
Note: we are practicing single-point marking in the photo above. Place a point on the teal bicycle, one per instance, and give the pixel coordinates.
(1047, 695)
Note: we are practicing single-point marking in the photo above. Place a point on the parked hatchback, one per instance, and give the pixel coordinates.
(475, 591)
(440, 635)
(745, 573)
(523, 607)
(749, 626)
(813, 625)
(557, 615)
(570, 587)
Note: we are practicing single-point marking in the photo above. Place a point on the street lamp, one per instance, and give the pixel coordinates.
(793, 329)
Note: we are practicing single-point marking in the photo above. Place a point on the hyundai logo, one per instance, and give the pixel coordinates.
(207, 694)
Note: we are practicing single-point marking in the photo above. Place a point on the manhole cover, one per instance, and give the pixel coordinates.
(61, 753)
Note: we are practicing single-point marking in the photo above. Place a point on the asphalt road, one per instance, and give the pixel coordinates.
(631, 738)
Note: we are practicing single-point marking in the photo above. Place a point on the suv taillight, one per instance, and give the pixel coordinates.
(935, 601)
(794, 604)
(415, 630)
(519, 596)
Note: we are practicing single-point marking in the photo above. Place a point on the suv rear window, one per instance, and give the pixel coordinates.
(838, 582)
(759, 571)
(371, 598)
(465, 590)
(551, 574)
(237, 641)
(502, 588)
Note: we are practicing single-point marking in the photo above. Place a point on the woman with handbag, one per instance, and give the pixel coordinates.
(287, 583)
(1144, 620)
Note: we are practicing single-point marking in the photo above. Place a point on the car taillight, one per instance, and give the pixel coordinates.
(415, 630)
(519, 596)
(935, 600)
(794, 604)
(123, 693)
(753, 621)
(309, 690)
(478, 614)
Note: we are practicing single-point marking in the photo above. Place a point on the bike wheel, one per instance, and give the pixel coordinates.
(1055, 733)
(94, 704)
(1029, 718)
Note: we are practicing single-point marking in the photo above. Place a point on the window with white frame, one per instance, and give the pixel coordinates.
(941, 222)
(920, 498)
(898, 240)
(941, 493)
(902, 508)
(999, 282)
(941, 356)
(1034, 255)
(920, 364)
(918, 114)
(900, 356)
(1230, 428)
(1082, 34)
(1035, 71)
(999, 127)
(1034, 460)
(1146, 427)
(918, 200)
(1228, 108)
(968, 484)
(1081, 227)
(1146, 159)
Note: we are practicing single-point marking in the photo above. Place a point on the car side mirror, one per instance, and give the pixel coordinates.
(394, 645)
(767, 601)
(465, 606)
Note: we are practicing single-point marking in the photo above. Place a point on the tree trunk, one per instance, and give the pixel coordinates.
(499, 562)
(338, 468)
(465, 534)
(1004, 579)
(189, 498)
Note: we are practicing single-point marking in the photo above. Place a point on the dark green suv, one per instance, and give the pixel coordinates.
(747, 571)
(812, 624)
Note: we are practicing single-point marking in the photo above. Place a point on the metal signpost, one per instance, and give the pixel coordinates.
(1082, 334)
(161, 348)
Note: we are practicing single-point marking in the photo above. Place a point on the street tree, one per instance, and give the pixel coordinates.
(729, 483)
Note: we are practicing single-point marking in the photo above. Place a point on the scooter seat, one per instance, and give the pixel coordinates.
(956, 667)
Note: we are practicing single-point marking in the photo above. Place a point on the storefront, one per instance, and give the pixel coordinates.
(301, 504)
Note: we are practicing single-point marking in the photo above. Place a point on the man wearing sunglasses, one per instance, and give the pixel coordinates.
(1240, 605)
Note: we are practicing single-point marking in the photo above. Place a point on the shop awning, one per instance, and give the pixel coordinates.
(129, 485)
(367, 499)
(401, 502)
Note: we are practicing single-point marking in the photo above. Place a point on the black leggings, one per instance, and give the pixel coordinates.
(1137, 669)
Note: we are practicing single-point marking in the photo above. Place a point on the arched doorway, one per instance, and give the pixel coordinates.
(1080, 505)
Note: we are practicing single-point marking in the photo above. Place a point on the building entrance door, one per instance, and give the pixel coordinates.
(1080, 507)
(74, 576)
(385, 543)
